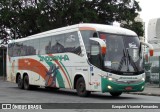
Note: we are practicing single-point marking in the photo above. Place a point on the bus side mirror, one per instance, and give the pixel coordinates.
(102, 45)
(95, 50)
(151, 51)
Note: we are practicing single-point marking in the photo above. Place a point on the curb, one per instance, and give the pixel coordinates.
(147, 94)
(2, 78)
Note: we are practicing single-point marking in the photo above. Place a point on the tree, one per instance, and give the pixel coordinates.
(28, 17)
(17, 18)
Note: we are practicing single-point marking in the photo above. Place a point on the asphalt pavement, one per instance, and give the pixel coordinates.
(150, 89)
(10, 93)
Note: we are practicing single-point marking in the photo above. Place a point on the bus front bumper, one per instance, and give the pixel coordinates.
(109, 86)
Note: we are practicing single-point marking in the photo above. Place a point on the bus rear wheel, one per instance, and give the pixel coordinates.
(20, 82)
(26, 82)
(81, 88)
(115, 94)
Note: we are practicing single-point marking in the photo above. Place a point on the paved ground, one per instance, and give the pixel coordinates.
(150, 89)
(9, 93)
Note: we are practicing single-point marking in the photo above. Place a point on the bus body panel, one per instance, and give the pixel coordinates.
(37, 68)
(60, 69)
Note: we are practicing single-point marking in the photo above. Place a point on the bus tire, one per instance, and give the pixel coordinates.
(115, 94)
(26, 82)
(20, 82)
(81, 88)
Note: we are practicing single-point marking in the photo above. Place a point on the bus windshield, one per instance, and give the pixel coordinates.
(123, 54)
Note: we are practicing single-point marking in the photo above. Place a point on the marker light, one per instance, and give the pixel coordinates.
(109, 87)
(143, 79)
(151, 52)
(110, 79)
(103, 50)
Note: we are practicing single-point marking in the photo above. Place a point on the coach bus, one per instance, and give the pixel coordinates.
(85, 57)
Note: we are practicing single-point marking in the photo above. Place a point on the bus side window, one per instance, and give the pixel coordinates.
(20, 46)
(10, 49)
(72, 43)
(15, 50)
(25, 48)
(57, 44)
(86, 34)
(34, 44)
(43, 44)
(48, 48)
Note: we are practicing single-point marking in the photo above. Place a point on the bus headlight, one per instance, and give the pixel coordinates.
(143, 79)
(109, 87)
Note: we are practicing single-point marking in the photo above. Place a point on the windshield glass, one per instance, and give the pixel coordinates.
(123, 54)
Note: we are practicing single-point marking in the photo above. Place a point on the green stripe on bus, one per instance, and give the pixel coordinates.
(120, 87)
(60, 80)
(66, 72)
(58, 76)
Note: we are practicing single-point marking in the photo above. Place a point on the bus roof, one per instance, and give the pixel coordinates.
(109, 29)
(82, 26)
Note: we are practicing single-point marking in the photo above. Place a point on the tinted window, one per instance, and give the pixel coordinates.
(122, 54)
(34, 46)
(86, 35)
(10, 49)
(58, 44)
(72, 43)
(25, 48)
(68, 42)
(16, 49)
(43, 44)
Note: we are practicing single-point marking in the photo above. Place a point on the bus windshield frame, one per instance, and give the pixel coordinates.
(123, 55)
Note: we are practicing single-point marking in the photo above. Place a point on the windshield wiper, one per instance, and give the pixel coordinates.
(140, 51)
(132, 62)
(128, 60)
(123, 59)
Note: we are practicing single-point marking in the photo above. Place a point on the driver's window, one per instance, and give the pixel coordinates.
(95, 57)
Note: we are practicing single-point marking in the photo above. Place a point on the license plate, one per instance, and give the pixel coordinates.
(128, 88)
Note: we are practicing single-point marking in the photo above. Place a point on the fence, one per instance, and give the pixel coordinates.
(153, 70)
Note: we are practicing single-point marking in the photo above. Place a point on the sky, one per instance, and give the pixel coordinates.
(150, 9)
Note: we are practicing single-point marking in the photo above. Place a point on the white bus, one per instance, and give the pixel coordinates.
(85, 57)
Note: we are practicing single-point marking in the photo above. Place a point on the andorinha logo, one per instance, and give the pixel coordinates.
(128, 78)
(54, 58)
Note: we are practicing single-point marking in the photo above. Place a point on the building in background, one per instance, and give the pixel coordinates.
(153, 35)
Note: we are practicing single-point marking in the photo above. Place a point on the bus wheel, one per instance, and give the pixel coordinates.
(20, 82)
(26, 82)
(81, 88)
(115, 94)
